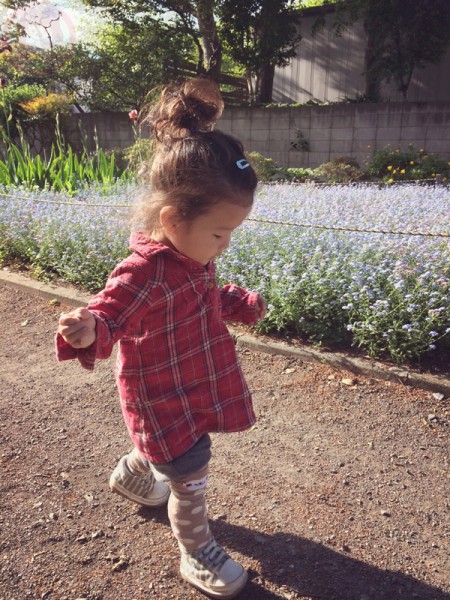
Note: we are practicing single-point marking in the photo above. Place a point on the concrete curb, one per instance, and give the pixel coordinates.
(68, 295)
(361, 366)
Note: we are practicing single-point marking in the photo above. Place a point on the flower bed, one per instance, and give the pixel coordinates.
(386, 293)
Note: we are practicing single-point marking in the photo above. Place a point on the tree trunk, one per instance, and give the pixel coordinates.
(265, 81)
(372, 91)
(211, 43)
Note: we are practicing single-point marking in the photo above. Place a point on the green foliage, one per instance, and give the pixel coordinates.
(61, 170)
(340, 170)
(140, 152)
(116, 70)
(259, 36)
(414, 33)
(265, 168)
(296, 174)
(258, 33)
(69, 239)
(111, 70)
(403, 322)
(398, 165)
(28, 66)
(36, 111)
(11, 100)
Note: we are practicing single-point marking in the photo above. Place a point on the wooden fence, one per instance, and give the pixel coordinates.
(234, 89)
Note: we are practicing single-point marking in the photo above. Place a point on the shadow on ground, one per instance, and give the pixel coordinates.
(309, 569)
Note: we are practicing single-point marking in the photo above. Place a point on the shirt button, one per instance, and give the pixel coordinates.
(210, 285)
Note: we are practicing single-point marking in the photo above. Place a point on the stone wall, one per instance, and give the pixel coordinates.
(307, 136)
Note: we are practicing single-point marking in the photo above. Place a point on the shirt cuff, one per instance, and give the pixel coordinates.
(86, 356)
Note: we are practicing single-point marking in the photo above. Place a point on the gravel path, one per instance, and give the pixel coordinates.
(339, 492)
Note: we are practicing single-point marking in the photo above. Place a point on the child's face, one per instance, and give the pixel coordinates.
(207, 236)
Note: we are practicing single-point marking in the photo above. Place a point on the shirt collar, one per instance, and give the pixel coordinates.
(147, 248)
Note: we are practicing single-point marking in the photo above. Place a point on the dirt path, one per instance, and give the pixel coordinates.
(339, 492)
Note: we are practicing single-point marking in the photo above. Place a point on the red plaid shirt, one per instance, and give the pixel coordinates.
(177, 371)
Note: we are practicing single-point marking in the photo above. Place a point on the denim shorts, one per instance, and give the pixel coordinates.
(190, 462)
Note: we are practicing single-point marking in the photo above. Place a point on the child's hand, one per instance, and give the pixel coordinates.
(260, 309)
(78, 328)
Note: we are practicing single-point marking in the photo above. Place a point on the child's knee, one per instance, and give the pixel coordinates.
(194, 484)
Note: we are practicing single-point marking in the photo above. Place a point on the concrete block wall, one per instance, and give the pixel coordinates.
(311, 135)
(305, 136)
(112, 129)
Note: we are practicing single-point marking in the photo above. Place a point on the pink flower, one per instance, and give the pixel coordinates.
(133, 114)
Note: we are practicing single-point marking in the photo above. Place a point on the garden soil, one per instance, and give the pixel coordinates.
(339, 492)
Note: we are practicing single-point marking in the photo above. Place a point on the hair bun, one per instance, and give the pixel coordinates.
(195, 106)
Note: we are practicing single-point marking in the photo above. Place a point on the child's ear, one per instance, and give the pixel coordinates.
(169, 218)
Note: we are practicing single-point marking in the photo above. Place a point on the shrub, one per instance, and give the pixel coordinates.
(296, 173)
(11, 100)
(265, 168)
(46, 106)
(397, 165)
(340, 170)
(139, 152)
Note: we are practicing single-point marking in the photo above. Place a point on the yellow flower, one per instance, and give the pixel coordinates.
(390, 180)
(394, 171)
(433, 174)
(411, 162)
(402, 171)
(448, 163)
(389, 168)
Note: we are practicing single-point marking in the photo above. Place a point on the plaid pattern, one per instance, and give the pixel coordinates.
(177, 370)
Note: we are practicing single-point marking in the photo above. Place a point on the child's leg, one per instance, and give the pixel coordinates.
(204, 564)
(187, 510)
(133, 479)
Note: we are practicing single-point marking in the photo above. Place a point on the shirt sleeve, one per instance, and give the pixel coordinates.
(239, 304)
(117, 310)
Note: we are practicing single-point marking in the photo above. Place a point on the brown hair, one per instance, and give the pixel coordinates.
(193, 166)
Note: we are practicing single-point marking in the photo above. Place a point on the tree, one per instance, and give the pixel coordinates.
(113, 70)
(117, 71)
(211, 43)
(260, 35)
(401, 35)
(186, 18)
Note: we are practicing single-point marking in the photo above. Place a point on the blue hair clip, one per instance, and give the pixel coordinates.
(242, 163)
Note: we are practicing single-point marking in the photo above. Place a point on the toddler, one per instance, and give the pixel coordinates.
(177, 371)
